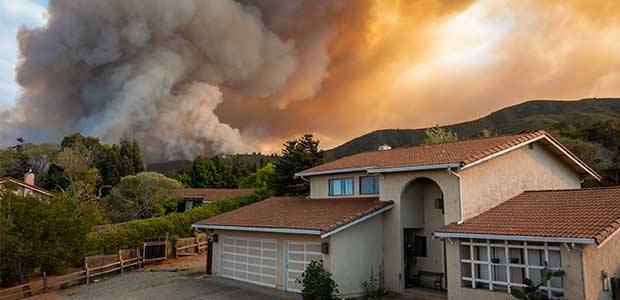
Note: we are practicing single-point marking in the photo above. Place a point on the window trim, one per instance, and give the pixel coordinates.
(523, 245)
(378, 178)
(343, 179)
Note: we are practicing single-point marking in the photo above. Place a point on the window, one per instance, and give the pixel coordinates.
(369, 185)
(341, 187)
(502, 265)
(420, 246)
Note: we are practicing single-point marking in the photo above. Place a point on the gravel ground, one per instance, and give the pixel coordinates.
(183, 279)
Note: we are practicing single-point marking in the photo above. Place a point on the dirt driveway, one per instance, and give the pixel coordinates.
(181, 280)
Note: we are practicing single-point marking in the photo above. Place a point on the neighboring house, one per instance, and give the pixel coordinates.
(26, 187)
(387, 211)
(197, 197)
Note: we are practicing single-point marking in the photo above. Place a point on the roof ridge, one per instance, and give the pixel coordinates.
(452, 142)
(575, 189)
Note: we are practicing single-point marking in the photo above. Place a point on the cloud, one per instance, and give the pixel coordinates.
(238, 75)
(15, 13)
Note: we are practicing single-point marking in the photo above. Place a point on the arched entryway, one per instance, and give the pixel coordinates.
(422, 212)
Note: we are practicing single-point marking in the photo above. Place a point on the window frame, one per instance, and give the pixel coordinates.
(473, 248)
(376, 183)
(343, 180)
(422, 245)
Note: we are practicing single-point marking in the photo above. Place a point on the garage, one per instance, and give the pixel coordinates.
(249, 260)
(271, 242)
(298, 257)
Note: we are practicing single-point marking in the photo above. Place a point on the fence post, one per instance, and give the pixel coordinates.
(197, 244)
(44, 282)
(87, 271)
(143, 253)
(120, 259)
(166, 248)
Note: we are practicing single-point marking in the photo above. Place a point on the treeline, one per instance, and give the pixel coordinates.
(95, 184)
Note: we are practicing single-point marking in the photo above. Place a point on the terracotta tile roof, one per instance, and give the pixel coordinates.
(462, 153)
(211, 194)
(300, 213)
(579, 213)
(24, 184)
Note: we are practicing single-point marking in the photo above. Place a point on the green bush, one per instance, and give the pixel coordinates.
(131, 234)
(318, 283)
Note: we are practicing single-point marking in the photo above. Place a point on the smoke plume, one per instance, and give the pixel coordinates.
(155, 70)
(223, 76)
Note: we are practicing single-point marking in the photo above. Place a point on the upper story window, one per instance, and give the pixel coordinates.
(341, 187)
(369, 185)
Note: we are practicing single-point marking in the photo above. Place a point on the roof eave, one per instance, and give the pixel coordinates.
(332, 171)
(357, 221)
(257, 229)
(485, 236)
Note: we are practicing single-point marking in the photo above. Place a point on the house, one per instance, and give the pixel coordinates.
(25, 187)
(413, 214)
(196, 197)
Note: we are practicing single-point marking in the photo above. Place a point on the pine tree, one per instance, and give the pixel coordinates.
(297, 155)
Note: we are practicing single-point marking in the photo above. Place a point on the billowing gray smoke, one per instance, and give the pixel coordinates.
(155, 70)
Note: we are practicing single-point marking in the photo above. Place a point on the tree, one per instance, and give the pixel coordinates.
(261, 179)
(297, 155)
(436, 135)
(39, 233)
(207, 172)
(40, 156)
(82, 179)
(140, 196)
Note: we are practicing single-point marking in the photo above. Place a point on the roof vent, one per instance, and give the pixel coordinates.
(384, 147)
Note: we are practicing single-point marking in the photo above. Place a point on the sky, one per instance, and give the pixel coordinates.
(193, 77)
(15, 13)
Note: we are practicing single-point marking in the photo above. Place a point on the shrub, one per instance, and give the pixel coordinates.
(131, 234)
(318, 283)
(373, 288)
(533, 291)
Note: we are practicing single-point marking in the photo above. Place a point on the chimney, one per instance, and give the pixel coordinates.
(384, 147)
(29, 177)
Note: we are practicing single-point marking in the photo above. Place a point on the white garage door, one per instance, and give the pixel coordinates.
(249, 260)
(298, 257)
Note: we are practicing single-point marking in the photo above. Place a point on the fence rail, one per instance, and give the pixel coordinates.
(94, 266)
(190, 246)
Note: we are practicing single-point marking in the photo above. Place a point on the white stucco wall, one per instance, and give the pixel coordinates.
(354, 253)
(319, 185)
(596, 260)
(497, 180)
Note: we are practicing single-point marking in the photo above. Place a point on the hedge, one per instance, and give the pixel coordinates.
(132, 234)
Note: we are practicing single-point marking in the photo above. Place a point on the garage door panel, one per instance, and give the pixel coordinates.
(298, 257)
(249, 260)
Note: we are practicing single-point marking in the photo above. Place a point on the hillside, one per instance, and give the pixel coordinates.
(531, 115)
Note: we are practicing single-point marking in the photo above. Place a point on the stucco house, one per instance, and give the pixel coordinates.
(416, 214)
(25, 187)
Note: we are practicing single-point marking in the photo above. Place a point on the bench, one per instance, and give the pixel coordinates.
(428, 279)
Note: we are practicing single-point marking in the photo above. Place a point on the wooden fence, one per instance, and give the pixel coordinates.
(190, 246)
(94, 266)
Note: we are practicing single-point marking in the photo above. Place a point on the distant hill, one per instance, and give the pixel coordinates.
(531, 115)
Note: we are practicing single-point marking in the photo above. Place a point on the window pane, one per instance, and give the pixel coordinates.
(535, 257)
(348, 186)
(554, 259)
(369, 185)
(335, 187)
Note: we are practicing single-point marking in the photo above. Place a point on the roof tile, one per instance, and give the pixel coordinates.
(300, 213)
(592, 213)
